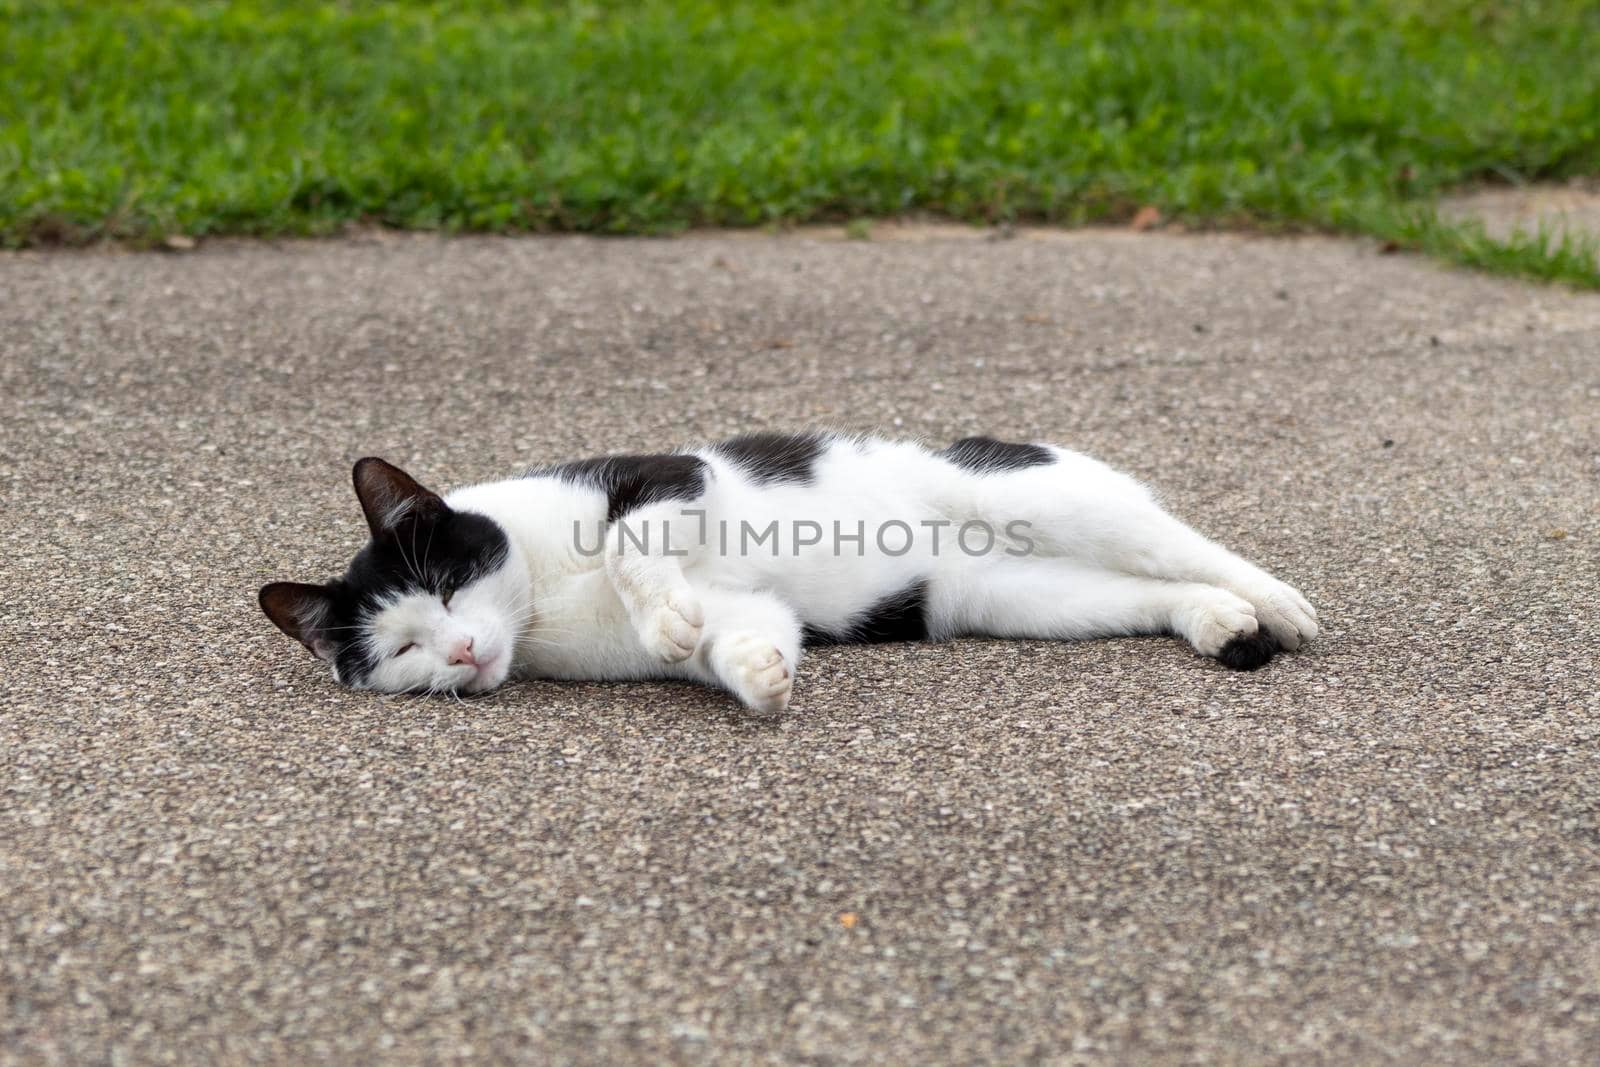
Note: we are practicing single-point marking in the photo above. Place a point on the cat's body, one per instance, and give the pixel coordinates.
(718, 565)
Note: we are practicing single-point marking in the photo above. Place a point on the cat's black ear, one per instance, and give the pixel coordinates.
(389, 496)
(301, 611)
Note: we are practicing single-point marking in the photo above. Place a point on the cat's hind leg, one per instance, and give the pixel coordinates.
(750, 646)
(1061, 600)
(1079, 509)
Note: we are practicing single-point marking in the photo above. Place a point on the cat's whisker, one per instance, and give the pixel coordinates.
(428, 549)
(532, 613)
(559, 631)
(415, 572)
(542, 641)
(539, 625)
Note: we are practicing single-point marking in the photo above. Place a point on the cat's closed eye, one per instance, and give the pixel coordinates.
(407, 648)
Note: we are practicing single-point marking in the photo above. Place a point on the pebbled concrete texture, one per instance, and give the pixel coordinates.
(1384, 849)
(1566, 210)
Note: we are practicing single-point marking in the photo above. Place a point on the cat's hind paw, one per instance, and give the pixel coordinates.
(672, 630)
(1225, 628)
(1284, 613)
(754, 671)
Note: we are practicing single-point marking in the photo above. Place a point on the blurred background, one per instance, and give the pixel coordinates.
(161, 121)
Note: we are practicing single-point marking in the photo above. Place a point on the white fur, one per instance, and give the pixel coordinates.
(486, 613)
(1106, 560)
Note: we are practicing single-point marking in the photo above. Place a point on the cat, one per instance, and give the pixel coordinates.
(720, 564)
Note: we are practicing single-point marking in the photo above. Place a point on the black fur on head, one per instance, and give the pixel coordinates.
(419, 544)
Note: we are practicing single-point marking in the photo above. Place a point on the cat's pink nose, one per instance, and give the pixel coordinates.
(462, 653)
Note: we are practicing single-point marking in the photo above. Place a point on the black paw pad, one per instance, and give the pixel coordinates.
(1248, 652)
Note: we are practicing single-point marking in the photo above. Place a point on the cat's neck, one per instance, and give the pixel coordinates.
(547, 523)
(576, 624)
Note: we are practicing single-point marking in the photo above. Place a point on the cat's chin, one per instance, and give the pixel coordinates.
(489, 677)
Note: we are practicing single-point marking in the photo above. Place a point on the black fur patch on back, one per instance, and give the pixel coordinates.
(631, 482)
(769, 458)
(443, 552)
(1248, 652)
(898, 617)
(985, 454)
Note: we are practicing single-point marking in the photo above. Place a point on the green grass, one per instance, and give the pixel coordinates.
(135, 120)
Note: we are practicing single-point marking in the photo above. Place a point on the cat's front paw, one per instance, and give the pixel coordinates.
(672, 630)
(754, 671)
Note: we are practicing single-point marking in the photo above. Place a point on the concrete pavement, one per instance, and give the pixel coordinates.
(1384, 849)
(1569, 209)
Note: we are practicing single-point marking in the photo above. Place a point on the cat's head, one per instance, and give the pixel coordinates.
(431, 604)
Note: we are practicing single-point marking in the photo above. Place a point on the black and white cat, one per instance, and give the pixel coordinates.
(719, 564)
